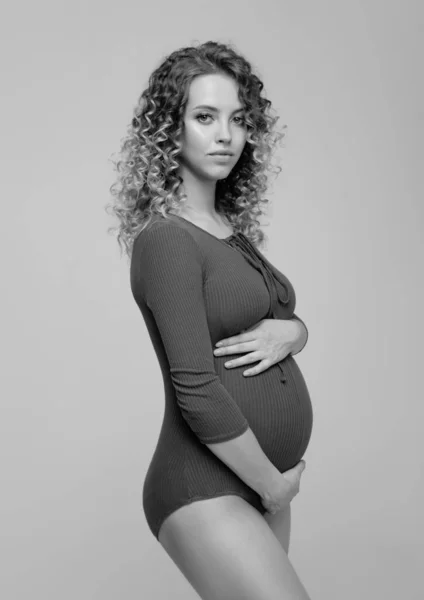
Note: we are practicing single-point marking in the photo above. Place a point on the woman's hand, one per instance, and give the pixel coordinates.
(270, 340)
(279, 496)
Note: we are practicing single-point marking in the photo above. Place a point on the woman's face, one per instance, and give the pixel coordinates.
(207, 130)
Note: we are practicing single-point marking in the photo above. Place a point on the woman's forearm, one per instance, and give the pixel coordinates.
(245, 457)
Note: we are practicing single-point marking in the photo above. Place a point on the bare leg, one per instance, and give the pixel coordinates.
(227, 551)
(280, 524)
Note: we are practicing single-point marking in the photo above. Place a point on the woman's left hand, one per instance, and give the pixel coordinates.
(270, 340)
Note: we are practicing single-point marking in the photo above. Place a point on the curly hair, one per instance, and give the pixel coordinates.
(147, 180)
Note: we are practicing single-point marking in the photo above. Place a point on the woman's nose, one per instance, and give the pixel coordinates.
(224, 132)
(224, 135)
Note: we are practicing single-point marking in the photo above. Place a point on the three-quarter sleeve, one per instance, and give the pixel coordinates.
(169, 276)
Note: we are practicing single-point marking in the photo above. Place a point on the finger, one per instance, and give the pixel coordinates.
(247, 359)
(238, 362)
(231, 341)
(262, 366)
(234, 348)
(297, 469)
(243, 336)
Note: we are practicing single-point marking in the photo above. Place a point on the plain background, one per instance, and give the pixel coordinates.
(82, 396)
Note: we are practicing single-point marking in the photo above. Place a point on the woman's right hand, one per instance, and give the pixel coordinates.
(284, 489)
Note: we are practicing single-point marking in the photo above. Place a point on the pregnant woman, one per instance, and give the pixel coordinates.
(227, 462)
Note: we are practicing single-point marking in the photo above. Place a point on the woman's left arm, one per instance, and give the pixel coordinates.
(269, 341)
(300, 343)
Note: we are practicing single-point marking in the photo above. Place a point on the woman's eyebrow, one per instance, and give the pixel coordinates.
(213, 108)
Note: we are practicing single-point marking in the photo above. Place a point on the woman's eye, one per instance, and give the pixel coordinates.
(200, 116)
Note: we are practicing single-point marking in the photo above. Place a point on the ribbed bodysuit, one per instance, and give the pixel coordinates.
(194, 289)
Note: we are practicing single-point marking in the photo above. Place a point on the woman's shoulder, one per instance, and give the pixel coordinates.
(166, 233)
(160, 225)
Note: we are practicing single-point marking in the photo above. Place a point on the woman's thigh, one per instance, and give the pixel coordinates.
(226, 549)
(280, 524)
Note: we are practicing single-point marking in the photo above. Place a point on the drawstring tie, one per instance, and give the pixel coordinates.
(277, 287)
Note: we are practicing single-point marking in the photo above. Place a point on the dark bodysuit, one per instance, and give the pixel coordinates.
(194, 289)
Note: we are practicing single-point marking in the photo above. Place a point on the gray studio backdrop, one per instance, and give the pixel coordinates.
(82, 392)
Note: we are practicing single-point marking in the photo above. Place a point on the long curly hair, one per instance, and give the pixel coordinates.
(147, 181)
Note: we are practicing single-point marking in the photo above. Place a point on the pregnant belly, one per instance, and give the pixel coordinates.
(276, 404)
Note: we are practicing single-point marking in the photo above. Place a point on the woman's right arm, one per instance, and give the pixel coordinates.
(246, 458)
